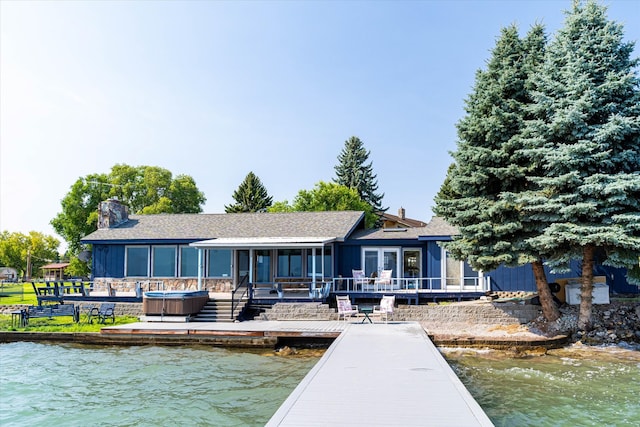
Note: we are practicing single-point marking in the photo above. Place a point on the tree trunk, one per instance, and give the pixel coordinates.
(586, 289)
(549, 309)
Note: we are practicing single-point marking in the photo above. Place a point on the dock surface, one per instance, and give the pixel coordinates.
(381, 374)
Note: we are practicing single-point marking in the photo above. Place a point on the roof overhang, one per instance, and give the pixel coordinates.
(264, 242)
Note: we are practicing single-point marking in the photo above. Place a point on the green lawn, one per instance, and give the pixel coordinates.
(61, 324)
(17, 293)
(22, 293)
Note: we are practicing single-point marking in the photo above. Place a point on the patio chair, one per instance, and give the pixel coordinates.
(385, 308)
(104, 312)
(345, 308)
(359, 279)
(384, 280)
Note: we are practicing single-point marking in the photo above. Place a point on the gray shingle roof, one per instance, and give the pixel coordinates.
(338, 224)
(436, 227)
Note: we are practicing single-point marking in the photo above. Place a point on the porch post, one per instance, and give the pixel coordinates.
(200, 268)
(313, 266)
(250, 265)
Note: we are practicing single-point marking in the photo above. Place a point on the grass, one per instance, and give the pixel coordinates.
(22, 293)
(17, 293)
(61, 324)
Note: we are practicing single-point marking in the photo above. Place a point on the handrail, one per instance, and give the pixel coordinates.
(244, 283)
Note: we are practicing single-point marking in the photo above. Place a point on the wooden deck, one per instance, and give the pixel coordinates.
(381, 374)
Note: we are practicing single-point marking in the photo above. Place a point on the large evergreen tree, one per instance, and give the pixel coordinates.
(586, 140)
(479, 191)
(353, 171)
(251, 196)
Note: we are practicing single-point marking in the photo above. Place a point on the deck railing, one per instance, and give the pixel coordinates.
(411, 285)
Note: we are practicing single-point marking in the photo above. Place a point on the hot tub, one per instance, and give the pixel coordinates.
(174, 303)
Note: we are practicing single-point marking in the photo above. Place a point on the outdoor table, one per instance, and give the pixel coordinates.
(366, 310)
(18, 317)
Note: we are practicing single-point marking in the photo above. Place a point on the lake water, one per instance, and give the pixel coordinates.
(73, 385)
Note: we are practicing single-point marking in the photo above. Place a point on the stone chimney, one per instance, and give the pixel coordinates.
(111, 213)
(401, 213)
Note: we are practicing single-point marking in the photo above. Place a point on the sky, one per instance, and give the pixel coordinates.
(217, 89)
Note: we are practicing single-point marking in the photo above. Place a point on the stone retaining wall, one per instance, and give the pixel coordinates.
(485, 313)
(300, 311)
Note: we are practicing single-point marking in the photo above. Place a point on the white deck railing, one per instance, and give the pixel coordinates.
(411, 285)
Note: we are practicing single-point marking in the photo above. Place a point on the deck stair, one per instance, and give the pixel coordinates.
(218, 310)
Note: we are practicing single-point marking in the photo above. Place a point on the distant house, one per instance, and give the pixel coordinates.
(400, 220)
(221, 252)
(54, 271)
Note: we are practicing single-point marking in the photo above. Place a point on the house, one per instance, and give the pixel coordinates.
(285, 253)
(400, 220)
(54, 271)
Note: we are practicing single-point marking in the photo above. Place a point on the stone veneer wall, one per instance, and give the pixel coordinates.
(476, 313)
(174, 284)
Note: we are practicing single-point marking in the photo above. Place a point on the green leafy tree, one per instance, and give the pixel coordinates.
(144, 189)
(251, 196)
(353, 171)
(328, 196)
(586, 139)
(18, 250)
(478, 193)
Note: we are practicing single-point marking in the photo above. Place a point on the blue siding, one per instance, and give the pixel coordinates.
(349, 258)
(434, 263)
(521, 278)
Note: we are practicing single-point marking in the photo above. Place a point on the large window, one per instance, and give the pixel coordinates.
(137, 261)
(328, 271)
(219, 263)
(188, 261)
(290, 262)
(164, 261)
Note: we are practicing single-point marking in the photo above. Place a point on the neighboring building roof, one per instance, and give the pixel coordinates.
(331, 224)
(400, 220)
(55, 265)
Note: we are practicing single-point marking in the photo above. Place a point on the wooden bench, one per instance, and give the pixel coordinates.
(51, 311)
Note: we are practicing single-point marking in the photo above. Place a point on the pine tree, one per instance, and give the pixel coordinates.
(479, 194)
(586, 141)
(251, 196)
(353, 172)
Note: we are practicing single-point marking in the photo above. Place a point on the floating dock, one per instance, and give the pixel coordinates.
(381, 375)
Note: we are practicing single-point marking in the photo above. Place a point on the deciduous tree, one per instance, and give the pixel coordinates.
(17, 250)
(328, 196)
(144, 189)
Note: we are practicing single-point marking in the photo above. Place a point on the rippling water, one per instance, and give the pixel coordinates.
(70, 385)
(574, 387)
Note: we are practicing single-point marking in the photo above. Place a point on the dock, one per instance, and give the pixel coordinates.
(381, 374)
